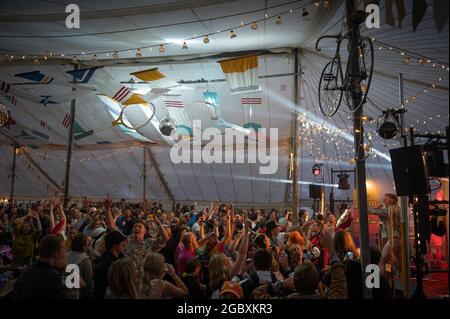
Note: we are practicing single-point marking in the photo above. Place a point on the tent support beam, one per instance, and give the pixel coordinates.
(295, 140)
(69, 149)
(404, 220)
(13, 173)
(144, 179)
(158, 173)
(358, 132)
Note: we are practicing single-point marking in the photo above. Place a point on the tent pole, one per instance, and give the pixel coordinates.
(404, 204)
(295, 141)
(69, 149)
(358, 132)
(13, 174)
(144, 179)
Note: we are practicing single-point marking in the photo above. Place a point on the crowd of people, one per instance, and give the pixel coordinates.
(121, 251)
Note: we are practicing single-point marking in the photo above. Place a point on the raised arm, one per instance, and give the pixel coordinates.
(164, 234)
(110, 221)
(243, 248)
(51, 216)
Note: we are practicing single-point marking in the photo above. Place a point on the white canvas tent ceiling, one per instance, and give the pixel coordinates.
(96, 172)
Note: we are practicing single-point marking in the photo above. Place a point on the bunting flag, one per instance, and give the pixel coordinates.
(441, 8)
(44, 125)
(83, 135)
(154, 78)
(12, 99)
(174, 103)
(135, 99)
(241, 74)
(212, 101)
(40, 134)
(24, 135)
(36, 76)
(66, 120)
(4, 87)
(46, 99)
(101, 81)
(401, 11)
(251, 101)
(83, 75)
(419, 11)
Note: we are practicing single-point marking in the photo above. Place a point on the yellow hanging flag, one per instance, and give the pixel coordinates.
(241, 74)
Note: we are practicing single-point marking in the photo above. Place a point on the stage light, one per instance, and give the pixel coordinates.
(316, 170)
(388, 130)
(343, 182)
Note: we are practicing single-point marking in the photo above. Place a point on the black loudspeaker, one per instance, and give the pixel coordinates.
(436, 164)
(410, 171)
(315, 191)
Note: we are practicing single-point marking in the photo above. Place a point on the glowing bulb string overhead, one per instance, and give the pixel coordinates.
(252, 23)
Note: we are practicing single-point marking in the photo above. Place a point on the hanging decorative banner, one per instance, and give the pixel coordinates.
(46, 99)
(44, 125)
(101, 81)
(12, 99)
(441, 8)
(154, 78)
(241, 74)
(251, 101)
(419, 11)
(174, 103)
(4, 87)
(401, 11)
(40, 134)
(36, 76)
(66, 120)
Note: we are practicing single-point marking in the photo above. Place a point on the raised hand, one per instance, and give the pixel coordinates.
(107, 202)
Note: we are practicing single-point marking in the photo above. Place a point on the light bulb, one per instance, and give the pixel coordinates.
(162, 49)
(232, 34)
(254, 26)
(184, 46)
(279, 20)
(138, 53)
(305, 12)
(115, 55)
(206, 39)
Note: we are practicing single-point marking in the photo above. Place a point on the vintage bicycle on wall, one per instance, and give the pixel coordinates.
(334, 84)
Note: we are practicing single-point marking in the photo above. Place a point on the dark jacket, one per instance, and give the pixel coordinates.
(101, 274)
(41, 281)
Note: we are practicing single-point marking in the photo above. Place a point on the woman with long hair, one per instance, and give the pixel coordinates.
(348, 253)
(121, 280)
(345, 247)
(221, 268)
(154, 286)
(78, 255)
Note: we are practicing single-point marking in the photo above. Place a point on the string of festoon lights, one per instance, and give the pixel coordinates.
(45, 155)
(139, 52)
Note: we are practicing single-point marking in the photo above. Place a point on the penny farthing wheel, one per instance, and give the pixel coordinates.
(364, 54)
(330, 88)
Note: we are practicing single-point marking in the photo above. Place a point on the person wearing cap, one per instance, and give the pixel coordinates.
(231, 290)
(114, 245)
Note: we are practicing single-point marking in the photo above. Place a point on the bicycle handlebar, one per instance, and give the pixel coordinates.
(337, 37)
